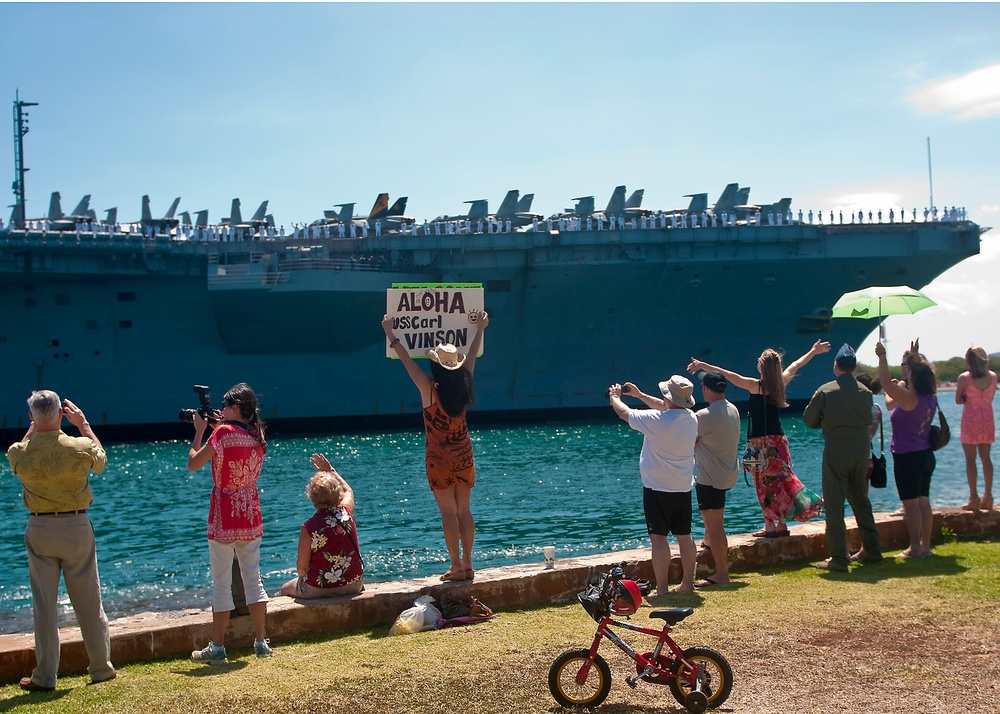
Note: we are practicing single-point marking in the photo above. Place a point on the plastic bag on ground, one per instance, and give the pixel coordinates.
(422, 616)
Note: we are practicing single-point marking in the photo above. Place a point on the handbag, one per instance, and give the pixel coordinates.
(753, 458)
(940, 435)
(877, 476)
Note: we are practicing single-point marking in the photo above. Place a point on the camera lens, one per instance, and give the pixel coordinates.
(186, 415)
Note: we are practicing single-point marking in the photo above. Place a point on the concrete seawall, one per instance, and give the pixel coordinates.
(155, 635)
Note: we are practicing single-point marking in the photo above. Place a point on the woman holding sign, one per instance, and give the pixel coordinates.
(445, 395)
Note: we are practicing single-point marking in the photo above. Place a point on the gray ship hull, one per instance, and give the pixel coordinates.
(125, 327)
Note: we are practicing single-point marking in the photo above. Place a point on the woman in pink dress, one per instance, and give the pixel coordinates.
(975, 390)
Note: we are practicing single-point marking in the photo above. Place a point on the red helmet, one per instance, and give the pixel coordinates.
(625, 597)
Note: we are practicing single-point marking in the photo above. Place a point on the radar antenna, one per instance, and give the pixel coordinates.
(20, 129)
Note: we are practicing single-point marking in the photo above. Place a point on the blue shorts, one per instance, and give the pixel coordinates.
(667, 512)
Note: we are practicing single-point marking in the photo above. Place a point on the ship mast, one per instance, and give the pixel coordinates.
(17, 218)
(930, 176)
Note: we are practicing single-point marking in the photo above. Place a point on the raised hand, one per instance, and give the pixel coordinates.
(321, 463)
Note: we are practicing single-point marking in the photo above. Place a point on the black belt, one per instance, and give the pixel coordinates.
(61, 513)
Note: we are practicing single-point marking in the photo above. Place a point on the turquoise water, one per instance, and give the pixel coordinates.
(574, 485)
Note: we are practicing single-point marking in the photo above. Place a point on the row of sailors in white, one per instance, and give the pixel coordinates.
(360, 230)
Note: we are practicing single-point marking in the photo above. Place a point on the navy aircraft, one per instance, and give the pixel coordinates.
(479, 209)
(584, 207)
(166, 223)
(112, 216)
(522, 214)
(781, 208)
(392, 217)
(509, 210)
(731, 197)
(260, 218)
(58, 221)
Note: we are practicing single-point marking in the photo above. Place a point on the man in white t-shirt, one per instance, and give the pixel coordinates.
(666, 465)
(717, 454)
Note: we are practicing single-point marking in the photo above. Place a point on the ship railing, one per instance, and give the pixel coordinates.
(230, 276)
(360, 263)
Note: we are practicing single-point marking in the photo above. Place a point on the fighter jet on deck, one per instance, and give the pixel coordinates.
(166, 223)
(523, 215)
(585, 207)
(260, 218)
(58, 221)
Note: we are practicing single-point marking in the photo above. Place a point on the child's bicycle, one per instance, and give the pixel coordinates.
(698, 677)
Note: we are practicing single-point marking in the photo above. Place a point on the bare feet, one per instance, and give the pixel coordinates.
(910, 553)
(987, 503)
(682, 589)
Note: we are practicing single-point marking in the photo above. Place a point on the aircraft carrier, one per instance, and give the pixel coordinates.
(125, 323)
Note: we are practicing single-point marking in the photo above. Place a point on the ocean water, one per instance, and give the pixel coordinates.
(574, 485)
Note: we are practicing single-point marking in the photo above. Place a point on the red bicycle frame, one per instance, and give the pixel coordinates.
(649, 666)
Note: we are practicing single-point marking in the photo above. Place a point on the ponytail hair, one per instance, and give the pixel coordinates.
(243, 397)
(772, 376)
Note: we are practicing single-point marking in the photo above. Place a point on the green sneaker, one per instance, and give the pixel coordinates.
(211, 654)
(263, 648)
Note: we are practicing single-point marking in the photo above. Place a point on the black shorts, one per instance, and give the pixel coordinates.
(912, 472)
(710, 498)
(667, 512)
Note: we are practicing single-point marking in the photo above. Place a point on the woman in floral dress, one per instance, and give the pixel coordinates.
(236, 449)
(781, 494)
(329, 560)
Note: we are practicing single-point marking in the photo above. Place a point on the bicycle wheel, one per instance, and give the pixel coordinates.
(718, 676)
(563, 684)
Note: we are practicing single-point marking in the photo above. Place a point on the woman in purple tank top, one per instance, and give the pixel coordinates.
(912, 402)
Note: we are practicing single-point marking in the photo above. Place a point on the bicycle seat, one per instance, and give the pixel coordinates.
(673, 615)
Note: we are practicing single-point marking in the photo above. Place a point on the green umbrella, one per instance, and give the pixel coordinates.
(880, 302)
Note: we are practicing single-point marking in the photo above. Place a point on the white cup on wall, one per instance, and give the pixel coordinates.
(549, 553)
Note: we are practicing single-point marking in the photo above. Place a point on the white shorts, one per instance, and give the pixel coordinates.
(247, 552)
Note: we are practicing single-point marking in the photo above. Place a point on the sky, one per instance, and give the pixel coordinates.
(312, 105)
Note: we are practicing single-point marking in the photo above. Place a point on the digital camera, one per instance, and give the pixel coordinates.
(204, 407)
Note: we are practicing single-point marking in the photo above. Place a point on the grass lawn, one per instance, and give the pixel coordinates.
(899, 636)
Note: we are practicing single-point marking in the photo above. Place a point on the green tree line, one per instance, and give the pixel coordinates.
(946, 370)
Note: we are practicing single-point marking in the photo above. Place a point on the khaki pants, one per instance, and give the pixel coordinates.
(65, 545)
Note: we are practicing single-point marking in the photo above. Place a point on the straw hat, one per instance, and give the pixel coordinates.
(447, 356)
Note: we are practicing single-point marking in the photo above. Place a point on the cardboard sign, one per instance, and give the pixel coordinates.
(425, 316)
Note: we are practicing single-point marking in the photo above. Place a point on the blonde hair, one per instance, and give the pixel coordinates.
(979, 362)
(772, 377)
(325, 490)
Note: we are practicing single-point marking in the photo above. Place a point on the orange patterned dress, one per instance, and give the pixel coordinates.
(448, 449)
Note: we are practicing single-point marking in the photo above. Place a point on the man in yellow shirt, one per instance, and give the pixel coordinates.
(53, 469)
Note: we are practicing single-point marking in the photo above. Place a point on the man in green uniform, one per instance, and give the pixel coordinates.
(843, 409)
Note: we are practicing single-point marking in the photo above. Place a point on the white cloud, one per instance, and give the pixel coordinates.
(973, 95)
(870, 200)
(989, 209)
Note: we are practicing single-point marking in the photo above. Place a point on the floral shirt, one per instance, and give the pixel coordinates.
(234, 509)
(333, 542)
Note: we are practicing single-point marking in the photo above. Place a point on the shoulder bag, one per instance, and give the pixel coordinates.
(876, 466)
(940, 432)
(753, 458)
